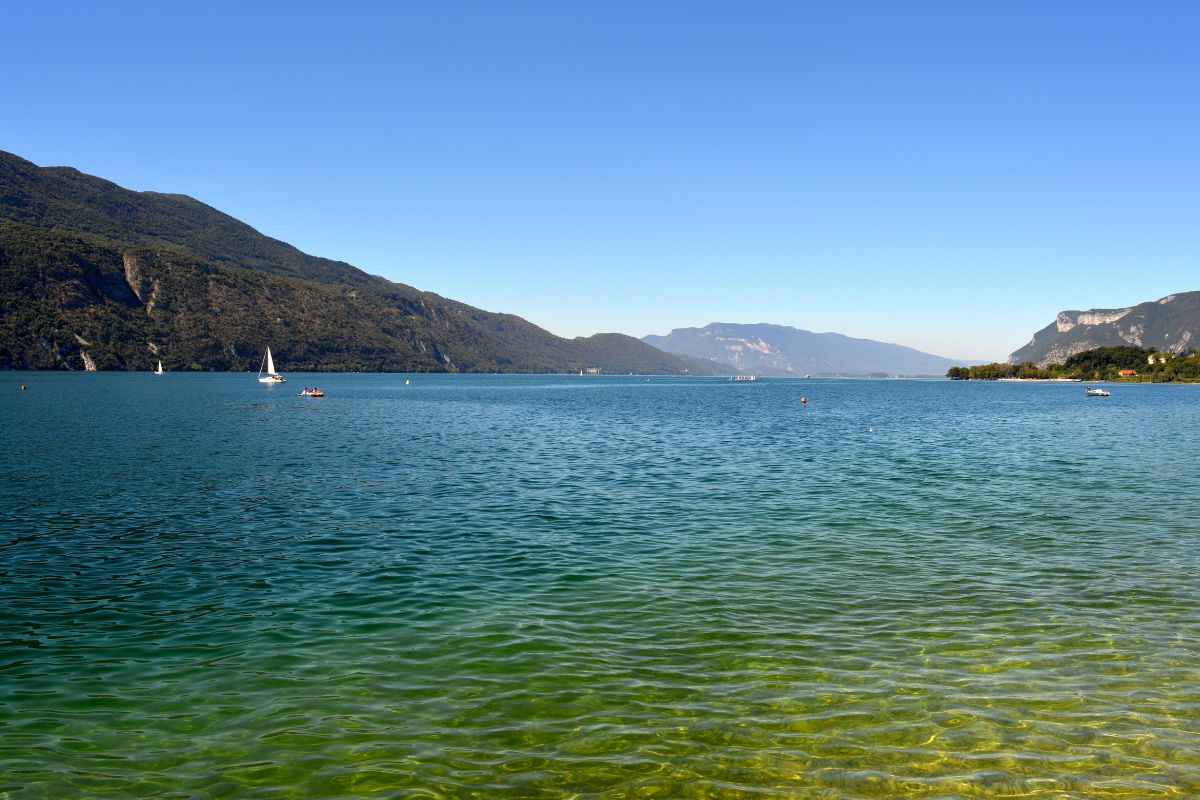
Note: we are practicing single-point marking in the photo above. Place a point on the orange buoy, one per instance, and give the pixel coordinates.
(804, 399)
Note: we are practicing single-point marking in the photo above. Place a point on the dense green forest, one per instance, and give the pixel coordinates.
(1100, 363)
(94, 274)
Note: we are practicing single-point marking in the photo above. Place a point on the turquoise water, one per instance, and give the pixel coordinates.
(565, 587)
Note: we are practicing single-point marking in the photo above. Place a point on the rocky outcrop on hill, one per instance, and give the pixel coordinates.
(1169, 325)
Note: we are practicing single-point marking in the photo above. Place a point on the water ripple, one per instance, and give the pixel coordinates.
(597, 588)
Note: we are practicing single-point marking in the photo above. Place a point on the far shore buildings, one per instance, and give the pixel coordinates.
(1128, 373)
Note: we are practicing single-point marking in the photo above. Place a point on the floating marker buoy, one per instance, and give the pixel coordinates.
(804, 400)
(22, 387)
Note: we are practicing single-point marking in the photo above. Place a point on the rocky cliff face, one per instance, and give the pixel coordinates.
(747, 353)
(1169, 325)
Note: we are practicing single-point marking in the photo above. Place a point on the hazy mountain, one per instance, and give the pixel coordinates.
(126, 278)
(1170, 325)
(778, 349)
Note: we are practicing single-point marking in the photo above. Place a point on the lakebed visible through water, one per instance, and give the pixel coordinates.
(564, 586)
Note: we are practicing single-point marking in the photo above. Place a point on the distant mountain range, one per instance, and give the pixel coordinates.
(96, 276)
(1170, 325)
(782, 350)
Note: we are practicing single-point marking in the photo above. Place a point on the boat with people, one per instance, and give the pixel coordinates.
(313, 392)
(1095, 391)
(272, 376)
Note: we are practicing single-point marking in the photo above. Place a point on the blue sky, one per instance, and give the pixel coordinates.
(945, 175)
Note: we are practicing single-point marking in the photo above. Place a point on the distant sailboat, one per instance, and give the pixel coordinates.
(272, 376)
(158, 370)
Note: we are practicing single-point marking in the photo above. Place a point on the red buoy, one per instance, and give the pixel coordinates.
(22, 387)
(804, 399)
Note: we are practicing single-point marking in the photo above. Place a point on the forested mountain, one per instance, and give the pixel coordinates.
(1169, 325)
(95, 274)
(779, 349)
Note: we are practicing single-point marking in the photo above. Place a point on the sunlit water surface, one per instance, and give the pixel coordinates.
(553, 587)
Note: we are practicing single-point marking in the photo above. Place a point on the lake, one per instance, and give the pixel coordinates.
(597, 587)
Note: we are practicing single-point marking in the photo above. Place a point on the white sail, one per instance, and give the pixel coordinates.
(272, 376)
(159, 370)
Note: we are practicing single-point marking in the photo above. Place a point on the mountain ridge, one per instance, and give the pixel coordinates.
(88, 267)
(770, 348)
(1170, 324)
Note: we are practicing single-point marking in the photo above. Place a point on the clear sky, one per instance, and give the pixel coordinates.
(945, 175)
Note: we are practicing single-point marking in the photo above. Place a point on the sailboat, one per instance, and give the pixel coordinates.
(272, 376)
(158, 370)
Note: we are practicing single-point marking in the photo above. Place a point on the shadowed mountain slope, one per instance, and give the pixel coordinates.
(95, 274)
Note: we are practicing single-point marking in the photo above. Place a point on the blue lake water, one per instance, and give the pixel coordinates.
(568, 587)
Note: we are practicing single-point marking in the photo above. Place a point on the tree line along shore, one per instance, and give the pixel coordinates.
(1116, 363)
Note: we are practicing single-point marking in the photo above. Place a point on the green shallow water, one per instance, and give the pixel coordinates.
(564, 587)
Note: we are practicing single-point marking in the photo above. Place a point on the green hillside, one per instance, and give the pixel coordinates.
(65, 199)
(1111, 363)
(128, 278)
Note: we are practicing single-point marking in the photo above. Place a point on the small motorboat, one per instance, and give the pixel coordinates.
(313, 392)
(1095, 391)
